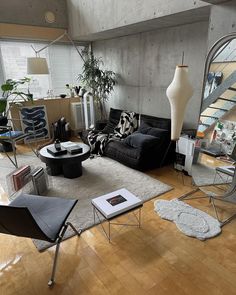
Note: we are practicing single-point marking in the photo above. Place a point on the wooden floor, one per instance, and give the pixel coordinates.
(156, 259)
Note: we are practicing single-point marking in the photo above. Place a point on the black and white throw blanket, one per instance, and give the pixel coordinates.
(127, 125)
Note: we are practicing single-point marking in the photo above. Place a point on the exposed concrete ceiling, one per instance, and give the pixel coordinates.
(215, 1)
(186, 17)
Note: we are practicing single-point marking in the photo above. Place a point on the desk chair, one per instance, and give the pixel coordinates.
(38, 217)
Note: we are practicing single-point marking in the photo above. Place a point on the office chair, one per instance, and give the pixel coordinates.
(38, 217)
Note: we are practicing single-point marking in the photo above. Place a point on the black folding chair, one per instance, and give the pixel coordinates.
(38, 217)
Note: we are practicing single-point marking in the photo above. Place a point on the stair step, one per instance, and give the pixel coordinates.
(228, 100)
(225, 85)
(208, 121)
(206, 116)
(201, 128)
(204, 124)
(223, 110)
(232, 88)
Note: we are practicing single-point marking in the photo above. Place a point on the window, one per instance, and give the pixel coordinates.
(64, 63)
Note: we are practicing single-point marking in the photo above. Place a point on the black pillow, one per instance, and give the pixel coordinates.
(154, 131)
(141, 141)
(113, 120)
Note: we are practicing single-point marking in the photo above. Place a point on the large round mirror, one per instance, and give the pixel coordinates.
(216, 134)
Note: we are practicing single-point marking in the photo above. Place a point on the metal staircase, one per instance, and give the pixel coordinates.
(215, 106)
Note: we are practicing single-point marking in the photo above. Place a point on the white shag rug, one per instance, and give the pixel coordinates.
(191, 221)
(101, 175)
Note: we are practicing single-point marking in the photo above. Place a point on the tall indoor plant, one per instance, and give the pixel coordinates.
(11, 93)
(96, 80)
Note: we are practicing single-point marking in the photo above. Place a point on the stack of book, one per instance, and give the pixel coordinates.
(53, 151)
(72, 147)
(39, 180)
(20, 177)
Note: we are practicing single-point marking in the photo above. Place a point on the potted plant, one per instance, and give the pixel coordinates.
(11, 93)
(96, 80)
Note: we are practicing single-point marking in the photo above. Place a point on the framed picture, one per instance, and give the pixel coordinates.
(34, 120)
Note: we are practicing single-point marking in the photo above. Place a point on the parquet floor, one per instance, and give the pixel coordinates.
(156, 259)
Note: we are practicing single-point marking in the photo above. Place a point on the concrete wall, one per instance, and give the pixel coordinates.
(146, 63)
(92, 20)
(222, 21)
(31, 12)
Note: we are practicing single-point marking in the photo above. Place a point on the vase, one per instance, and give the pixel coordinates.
(72, 94)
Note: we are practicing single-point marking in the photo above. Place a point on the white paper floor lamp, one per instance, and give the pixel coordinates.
(178, 92)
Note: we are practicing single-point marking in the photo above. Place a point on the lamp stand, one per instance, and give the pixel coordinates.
(38, 65)
(171, 143)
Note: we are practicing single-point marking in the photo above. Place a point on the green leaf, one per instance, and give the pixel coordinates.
(7, 87)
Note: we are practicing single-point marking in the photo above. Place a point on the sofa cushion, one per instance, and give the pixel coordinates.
(141, 141)
(154, 131)
(162, 123)
(122, 152)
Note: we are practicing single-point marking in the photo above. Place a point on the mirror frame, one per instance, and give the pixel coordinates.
(210, 57)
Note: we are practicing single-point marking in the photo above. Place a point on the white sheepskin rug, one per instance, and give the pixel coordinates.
(192, 222)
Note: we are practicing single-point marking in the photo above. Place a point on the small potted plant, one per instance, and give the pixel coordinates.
(11, 93)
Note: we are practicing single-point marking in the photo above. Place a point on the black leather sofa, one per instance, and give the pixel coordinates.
(147, 148)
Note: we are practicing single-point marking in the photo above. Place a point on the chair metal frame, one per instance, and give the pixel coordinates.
(58, 242)
(30, 228)
(229, 197)
(12, 140)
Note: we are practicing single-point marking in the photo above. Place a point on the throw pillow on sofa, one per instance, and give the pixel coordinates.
(141, 141)
(128, 123)
(154, 131)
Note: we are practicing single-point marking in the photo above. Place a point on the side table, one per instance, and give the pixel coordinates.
(115, 204)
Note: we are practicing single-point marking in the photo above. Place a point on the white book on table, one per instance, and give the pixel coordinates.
(116, 202)
(69, 144)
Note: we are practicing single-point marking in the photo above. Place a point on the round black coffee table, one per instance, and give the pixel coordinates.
(70, 165)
